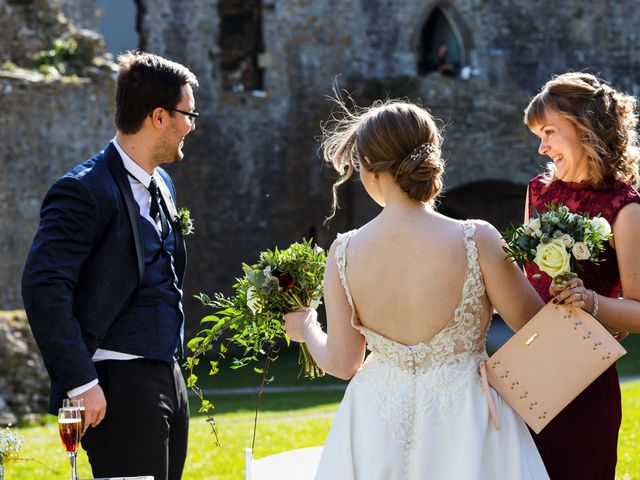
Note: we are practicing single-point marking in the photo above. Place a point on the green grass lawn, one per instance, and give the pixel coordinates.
(629, 441)
(286, 421)
(629, 365)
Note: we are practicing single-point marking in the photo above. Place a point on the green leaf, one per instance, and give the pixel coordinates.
(209, 319)
(191, 380)
(194, 342)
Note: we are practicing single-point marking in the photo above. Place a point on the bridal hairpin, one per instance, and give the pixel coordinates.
(422, 151)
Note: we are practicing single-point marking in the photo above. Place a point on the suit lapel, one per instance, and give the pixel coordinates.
(172, 212)
(120, 176)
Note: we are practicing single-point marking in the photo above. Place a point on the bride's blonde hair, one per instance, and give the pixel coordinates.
(395, 136)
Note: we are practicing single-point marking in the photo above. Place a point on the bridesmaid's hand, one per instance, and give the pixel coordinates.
(573, 293)
(295, 323)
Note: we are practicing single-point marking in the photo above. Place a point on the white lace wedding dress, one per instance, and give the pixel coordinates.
(419, 411)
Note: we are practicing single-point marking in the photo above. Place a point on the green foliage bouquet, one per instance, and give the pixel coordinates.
(557, 240)
(252, 319)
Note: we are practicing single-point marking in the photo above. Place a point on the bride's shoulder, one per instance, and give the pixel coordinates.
(341, 240)
(485, 234)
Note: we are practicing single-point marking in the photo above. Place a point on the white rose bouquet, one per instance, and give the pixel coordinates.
(557, 240)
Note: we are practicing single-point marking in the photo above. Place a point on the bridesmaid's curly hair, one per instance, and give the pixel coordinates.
(605, 120)
(395, 136)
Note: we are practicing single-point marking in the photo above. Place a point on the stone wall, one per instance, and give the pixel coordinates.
(27, 27)
(24, 384)
(46, 128)
(252, 176)
(84, 14)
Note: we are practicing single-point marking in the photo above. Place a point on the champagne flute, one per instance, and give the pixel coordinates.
(75, 403)
(69, 425)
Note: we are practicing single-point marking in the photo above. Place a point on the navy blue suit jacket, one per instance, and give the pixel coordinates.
(85, 266)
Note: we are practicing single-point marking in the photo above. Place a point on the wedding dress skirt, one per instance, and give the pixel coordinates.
(419, 411)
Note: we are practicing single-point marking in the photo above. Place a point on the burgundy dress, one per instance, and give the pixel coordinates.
(581, 442)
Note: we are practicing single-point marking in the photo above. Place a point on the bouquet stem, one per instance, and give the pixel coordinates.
(561, 281)
(309, 365)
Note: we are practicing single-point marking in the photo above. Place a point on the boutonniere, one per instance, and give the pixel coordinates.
(184, 220)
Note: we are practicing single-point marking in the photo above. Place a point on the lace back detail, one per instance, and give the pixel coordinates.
(417, 384)
(464, 333)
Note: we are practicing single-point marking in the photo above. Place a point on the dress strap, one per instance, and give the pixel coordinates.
(341, 260)
(469, 229)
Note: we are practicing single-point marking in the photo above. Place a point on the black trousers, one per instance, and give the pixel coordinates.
(146, 425)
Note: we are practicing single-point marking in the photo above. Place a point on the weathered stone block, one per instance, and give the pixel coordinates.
(24, 383)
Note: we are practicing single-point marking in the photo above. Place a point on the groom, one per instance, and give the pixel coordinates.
(102, 285)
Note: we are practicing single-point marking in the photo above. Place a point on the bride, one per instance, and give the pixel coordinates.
(417, 289)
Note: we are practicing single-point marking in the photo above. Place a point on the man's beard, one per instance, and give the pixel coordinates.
(166, 153)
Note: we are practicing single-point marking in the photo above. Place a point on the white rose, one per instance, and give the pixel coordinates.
(533, 228)
(254, 302)
(566, 239)
(581, 251)
(552, 258)
(601, 225)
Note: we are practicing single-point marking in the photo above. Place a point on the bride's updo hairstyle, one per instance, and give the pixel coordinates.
(605, 120)
(390, 136)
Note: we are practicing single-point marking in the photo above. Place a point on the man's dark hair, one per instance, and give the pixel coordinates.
(145, 82)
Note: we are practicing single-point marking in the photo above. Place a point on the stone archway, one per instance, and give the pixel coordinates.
(437, 33)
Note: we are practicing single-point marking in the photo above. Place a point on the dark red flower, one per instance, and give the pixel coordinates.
(285, 279)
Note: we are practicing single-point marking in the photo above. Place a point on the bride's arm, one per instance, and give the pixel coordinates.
(508, 289)
(340, 351)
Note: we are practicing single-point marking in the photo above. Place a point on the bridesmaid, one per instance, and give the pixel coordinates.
(587, 129)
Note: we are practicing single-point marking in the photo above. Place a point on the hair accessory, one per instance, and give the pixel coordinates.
(422, 151)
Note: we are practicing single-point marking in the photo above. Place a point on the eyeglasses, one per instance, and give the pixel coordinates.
(192, 116)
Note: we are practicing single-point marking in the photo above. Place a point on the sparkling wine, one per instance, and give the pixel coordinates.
(70, 429)
(82, 419)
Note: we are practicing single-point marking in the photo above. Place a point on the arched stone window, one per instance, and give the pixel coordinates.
(440, 46)
(118, 25)
(241, 44)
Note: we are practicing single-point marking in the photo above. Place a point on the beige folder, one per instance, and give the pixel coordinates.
(550, 361)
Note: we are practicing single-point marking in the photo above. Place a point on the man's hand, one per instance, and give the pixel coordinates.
(95, 406)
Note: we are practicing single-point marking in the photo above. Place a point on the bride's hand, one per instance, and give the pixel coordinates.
(295, 323)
